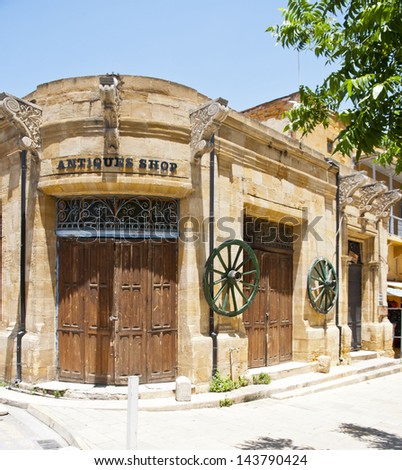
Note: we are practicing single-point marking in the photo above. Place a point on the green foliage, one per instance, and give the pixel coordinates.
(3, 384)
(225, 402)
(362, 40)
(225, 384)
(261, 379)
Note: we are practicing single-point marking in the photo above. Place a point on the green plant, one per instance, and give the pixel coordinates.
(226, 384)
(3, 384)
(242, 381)
(261, 379)
(225, 402)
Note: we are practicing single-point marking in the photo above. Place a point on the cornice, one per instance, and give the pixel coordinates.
(280, 167)
(59, 130)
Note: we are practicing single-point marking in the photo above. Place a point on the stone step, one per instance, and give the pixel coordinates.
(359, 375)
(330, 385)
(362, 355)
(3, 410)
(287, 379)
(284, 370)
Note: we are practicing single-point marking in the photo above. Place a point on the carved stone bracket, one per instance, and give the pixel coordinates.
(205, 121)
(109, 94)
(368, 193)
(349, 185)
(26, 117)
(381, 204)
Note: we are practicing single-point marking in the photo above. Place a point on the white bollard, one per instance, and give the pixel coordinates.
(132, 412)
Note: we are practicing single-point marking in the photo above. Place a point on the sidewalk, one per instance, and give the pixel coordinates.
(202, 424)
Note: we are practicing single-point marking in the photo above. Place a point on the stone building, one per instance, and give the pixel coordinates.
(118, 193)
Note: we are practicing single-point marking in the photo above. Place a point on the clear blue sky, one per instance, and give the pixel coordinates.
(218, 47)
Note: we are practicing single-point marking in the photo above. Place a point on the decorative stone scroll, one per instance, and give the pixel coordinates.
(349, 185)
(109, 94)
(368, 193)
(205, 121)
(381, 205)
(26, 117)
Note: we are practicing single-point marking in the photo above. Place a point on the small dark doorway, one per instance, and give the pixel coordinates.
(355, 295)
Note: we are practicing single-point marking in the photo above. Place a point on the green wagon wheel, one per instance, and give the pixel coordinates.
(322, 285)
(231, 278)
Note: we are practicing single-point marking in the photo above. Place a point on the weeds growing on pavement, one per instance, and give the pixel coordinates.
(226, 402)
(226, 384)
(261, 379)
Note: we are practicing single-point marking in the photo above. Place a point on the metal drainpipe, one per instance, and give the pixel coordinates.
(21, 329)
(212, 331)
(337, 251)
(337, 243)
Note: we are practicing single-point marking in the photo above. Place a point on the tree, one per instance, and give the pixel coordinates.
(362, 40)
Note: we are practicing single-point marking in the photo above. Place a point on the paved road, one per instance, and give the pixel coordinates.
(367, 415)
(21, 431)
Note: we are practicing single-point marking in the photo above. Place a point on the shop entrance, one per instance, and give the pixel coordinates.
(117, 310)
(117, 291)
(268, 320)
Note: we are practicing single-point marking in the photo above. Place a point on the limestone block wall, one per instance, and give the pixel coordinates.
(258, 172)
(282, 183)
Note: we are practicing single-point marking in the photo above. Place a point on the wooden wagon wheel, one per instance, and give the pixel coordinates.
(322, 285)
(228, 289)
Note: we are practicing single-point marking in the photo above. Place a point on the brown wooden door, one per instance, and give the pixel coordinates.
(279, 271)
(161, 324)
(268, 320)
(131, 284)
(255, 318)
(117, 310)
(97, 302)
(71, 336)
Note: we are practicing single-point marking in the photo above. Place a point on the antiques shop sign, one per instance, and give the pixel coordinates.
(129, 164)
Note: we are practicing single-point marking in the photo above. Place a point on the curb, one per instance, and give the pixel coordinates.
(57, 426)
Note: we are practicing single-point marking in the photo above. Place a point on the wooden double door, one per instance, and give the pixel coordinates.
(117, 310)
(268, 320)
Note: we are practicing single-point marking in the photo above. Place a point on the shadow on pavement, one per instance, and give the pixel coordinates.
(270, 443)
(375, 438)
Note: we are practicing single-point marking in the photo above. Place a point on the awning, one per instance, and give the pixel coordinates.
(394, 288)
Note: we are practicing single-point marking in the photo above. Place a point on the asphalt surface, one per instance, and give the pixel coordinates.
(367, 415)
(19, 430)
(362, 416)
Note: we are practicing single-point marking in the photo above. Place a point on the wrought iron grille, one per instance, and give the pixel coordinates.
(136, 217)
(263, 232)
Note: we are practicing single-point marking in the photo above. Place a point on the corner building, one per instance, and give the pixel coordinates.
(115, 234)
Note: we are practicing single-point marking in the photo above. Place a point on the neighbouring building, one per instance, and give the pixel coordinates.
(105, 243)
